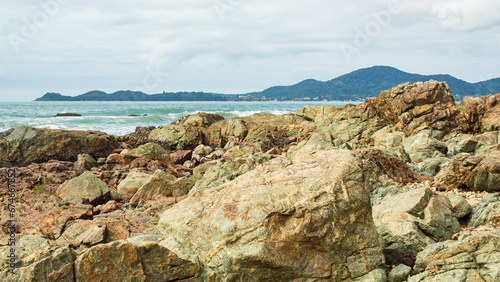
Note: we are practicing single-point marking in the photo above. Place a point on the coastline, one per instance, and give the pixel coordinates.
(363, 191)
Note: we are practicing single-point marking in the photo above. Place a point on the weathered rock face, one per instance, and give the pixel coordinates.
(383, 171)
(143, 262)
(237, 162)
(475, 173)
(487, 211)
(86, 186)
(423, 145)
(410, 221)
(25, 145)
(473, 258)
(480, 114)
(350, 126)
(39, 262)
(413, 107)
(282, 220)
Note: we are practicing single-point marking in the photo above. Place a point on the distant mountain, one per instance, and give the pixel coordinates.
(369, 82)
(357, 85)
(136, 96)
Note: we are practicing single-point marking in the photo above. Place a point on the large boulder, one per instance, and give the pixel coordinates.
(472, 258)
(25, 145)
(283, 220)
(409, 222)
(86, 186)
(121, 260)
(413, 107)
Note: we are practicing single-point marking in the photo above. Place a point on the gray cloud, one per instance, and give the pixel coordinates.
(235, 46)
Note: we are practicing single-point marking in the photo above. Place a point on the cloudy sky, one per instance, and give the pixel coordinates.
(235, 46)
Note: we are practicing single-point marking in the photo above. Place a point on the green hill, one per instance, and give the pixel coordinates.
(357, 85)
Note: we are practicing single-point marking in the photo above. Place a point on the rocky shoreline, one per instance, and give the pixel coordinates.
(403, 187)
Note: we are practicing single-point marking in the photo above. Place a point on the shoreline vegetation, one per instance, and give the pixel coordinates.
(402, 187)
(355, 86)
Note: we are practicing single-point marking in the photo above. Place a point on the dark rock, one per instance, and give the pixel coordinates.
(67, 115)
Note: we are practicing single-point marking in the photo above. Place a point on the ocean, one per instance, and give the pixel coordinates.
(115, 117)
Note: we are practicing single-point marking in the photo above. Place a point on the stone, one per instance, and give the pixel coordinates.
(84, 232)
(486, 176)
(139, 137)
(51, 223)
(423, 145)
(472, 173)
(281, 220)
(85, 162)
(416, 107)
(430, 167)
(233, 167)
(177, 137)
(159, 184)
(87, 186)
(474, 258)
(152, 151)
(460, 206)
(181, 156)
(409, 222)
(110, 207)
(25, 145)
(258, 130)
(379, 194)
(400, 273)
(132, 183)
(456, 173)
(107, 262)
(50, 265)
(136, 240)
(484, 211)
(383, 171)
(491, 118)
(161, 264)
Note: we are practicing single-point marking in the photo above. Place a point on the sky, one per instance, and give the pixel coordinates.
(235, 46)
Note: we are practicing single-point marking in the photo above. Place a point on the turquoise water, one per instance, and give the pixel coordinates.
(113, 117)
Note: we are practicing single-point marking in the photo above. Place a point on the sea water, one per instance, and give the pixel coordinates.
(118, 118)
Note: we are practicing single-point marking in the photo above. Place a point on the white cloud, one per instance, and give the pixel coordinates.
(467, 15)
(114, 44)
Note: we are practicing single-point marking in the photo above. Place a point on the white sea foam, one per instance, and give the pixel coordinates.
(114, 117)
